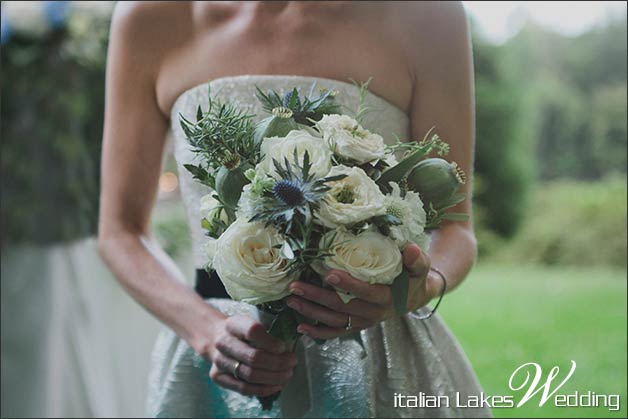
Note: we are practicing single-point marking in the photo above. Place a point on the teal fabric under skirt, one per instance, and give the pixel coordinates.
(339, 378)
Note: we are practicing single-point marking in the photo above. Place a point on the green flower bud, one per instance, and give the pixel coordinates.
(250, 174)
(277, 125)
(229, 184)
(436, 180)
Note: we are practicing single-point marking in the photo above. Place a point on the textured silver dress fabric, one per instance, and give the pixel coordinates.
(342, 377)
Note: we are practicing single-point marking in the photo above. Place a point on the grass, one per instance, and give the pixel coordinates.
(505, 316)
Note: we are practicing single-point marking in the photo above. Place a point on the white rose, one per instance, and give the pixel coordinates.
(249, 263)
(350, 140)
(409, 210)
(350, 200)
(369, 256)
(279, 148)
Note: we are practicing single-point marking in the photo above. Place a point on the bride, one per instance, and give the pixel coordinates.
(214, 355)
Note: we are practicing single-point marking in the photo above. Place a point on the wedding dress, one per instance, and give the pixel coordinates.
(66, 328)
(341, 377)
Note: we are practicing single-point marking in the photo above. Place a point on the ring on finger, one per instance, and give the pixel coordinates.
(236, 366)
(349, 325)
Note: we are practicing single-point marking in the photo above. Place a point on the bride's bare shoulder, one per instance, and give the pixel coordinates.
(145, 20)
(430, 18)
(436, 33)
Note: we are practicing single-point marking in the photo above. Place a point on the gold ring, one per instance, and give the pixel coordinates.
(235, 370)
(348, 326)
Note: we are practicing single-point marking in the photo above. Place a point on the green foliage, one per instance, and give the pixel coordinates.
(577, 91)
(223, 135)
(569, 223)
(548, 107)
(304, 109)
(503, 174)
(399, 290)
(52, 106)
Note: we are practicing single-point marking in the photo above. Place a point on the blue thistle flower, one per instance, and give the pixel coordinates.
(292, 97)
(289, 192)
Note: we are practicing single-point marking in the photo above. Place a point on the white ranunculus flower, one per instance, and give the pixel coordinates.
(350, 140)
(247, 259)
(369, 256)
(409, 210)
(350, 200)
(246, 204)
(279, 148)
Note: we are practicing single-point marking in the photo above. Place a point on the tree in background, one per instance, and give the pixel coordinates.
(52, 87)
(577, 89)
(502, 172)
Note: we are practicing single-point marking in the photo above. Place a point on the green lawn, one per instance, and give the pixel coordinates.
(505, 316)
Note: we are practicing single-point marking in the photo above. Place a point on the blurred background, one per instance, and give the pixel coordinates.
(550, 210)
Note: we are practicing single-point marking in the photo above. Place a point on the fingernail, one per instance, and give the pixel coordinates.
(301, 330)
(333, 279)
(293, 304)
(297, 291)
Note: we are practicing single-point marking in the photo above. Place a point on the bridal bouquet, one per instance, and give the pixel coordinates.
(308, 189)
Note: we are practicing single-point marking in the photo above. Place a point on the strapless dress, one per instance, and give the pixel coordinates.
(339, 378)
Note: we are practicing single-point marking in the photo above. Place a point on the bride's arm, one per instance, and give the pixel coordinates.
(134, 135)
(443, 98)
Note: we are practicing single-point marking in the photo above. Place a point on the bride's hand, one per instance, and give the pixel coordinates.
(373, 304)
(264, 365)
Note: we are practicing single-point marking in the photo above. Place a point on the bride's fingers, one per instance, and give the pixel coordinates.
(250, 330)
(325, 315)
(330, 299)
(252, 375)
(229, 381)
(255, 357)
(416, 261)
(373, 293)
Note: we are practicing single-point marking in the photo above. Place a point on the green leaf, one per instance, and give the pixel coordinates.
(197, 172)
(401, 169)
(294, 96)
(284, 327)
(455, 216)
(399, 289)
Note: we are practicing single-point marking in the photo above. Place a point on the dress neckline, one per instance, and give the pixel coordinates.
(225, 79)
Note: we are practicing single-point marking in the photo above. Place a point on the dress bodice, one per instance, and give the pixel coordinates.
(383, 118)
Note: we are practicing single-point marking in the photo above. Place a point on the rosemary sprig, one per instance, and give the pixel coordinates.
(221, 136)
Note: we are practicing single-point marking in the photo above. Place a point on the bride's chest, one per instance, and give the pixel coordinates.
(355, 50)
